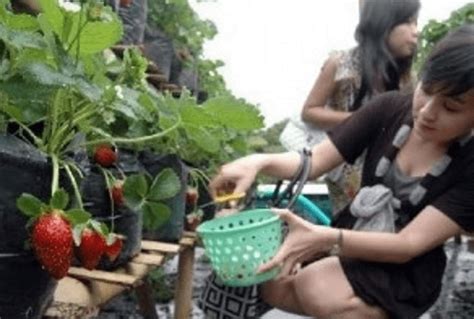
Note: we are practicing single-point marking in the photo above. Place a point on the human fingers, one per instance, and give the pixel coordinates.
(276, 261)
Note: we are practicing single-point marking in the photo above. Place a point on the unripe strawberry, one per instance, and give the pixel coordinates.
(52, 242)
(113, 250)
(117, 193)
(191, 196)
(92, 247)
(105, 156)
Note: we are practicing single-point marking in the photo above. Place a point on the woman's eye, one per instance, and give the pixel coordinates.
(450, 108)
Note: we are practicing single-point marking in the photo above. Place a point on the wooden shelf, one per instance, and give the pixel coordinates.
(83, 292)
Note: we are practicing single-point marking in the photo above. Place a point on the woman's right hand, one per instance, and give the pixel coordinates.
(236, 176)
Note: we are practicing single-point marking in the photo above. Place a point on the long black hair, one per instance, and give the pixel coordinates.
(379, 68)
(449, 68)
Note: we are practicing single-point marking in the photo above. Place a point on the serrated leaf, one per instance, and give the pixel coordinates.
(21, 39)
(234, 113)
(78, 216)
(197, 116)
(135, 189)
(165, 185)
(32, 102)
(29, 205)
(59, 200)
(51, 11)
(155, 215)
(203, 138)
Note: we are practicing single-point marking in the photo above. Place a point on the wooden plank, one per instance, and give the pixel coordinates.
(190, 234)
(160, 247)
(156, 79)
(100, 275)
(149, 259)
(187, 241)
(152, 68)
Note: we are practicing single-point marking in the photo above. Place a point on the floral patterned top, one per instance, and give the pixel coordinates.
(344, 181)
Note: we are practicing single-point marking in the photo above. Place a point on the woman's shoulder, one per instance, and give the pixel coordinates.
(347, 64)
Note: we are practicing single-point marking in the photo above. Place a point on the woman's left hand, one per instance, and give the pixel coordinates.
(303, 242)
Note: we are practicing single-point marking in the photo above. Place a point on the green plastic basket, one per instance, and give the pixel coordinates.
(239, 243)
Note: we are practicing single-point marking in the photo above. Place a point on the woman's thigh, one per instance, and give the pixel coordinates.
(322, 289)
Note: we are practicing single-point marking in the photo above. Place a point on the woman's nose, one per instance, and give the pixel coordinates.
(428, 111)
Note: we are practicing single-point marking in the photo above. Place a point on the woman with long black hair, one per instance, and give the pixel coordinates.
(387, 37)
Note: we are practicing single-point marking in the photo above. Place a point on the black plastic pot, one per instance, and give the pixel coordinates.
(126, 221)
(134, 20)
(172, 230)
(25, 288)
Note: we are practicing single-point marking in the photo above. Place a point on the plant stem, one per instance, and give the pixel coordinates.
(38, 142)
(55, 181)
(107, 178)
(77, 193)
(124, 140)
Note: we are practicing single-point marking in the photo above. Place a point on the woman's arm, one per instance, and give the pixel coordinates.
(314, 110)
(428, 230)
(239, 175)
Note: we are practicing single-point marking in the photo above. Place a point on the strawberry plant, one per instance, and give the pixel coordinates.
(147, 195)
(434, 30)
(52, 230)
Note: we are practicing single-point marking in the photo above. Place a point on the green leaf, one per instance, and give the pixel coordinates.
(155, 215)
(17, 21)
(59, 200)
(135, 189)
(197, 116)
(165, 185)
(234, 113)
(203, 138)
(32, 103)
(95, 36)
(50, 9)
(29, 205)
(21, 39)
(78, 216)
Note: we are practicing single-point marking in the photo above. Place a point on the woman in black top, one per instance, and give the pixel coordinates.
(420, 155)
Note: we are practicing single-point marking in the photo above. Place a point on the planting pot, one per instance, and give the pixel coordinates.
(25, 288)
(160, 49)
(125, 221)
(133, 15)
(172, 230)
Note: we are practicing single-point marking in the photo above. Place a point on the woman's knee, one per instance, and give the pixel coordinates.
(275, 291)
(322, 289)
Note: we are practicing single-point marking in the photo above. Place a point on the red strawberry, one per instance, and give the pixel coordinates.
(92, 247)
(125, 3)
(52, 242)
(191, 196)
(105, 156)
(113, 250)
(117, 193)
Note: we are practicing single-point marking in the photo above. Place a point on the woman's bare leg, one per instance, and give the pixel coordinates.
(321, 290)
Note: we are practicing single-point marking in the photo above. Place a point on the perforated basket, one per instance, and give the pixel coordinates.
(238, 244)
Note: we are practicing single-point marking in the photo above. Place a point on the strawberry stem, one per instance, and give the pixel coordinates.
(107, 178)
(124, 140)
(55, 181)
(74, 185)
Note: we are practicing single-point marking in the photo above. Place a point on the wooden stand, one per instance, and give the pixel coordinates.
(82, 293)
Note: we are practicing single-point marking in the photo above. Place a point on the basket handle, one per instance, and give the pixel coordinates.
(299, 179)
